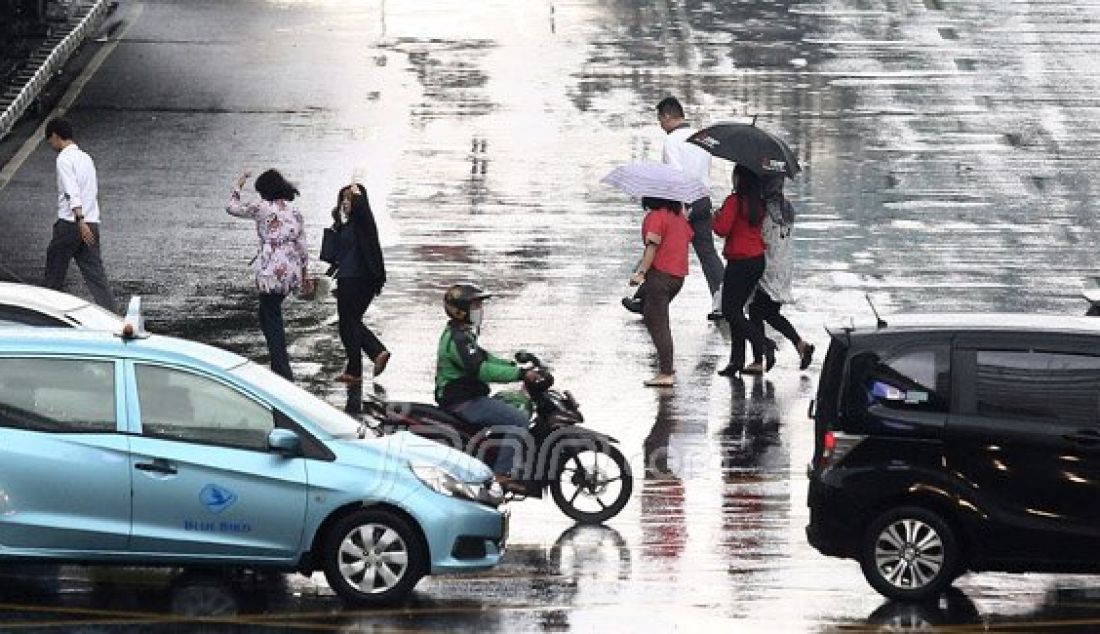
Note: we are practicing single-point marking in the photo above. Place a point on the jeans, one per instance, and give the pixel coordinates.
(271, 322)
(660, 289)
(741, 279)
(353, 297)
(484, 411)
(66, 245)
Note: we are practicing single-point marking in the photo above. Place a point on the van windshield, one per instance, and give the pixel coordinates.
(328, 418)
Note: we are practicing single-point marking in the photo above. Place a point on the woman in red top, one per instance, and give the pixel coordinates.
(739, 222)
(666, 235)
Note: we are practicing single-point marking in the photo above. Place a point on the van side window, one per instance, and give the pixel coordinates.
(915, 379)
(58, 395)
(1053, 386)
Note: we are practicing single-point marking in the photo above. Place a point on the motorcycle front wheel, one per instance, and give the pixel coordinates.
(592, 485)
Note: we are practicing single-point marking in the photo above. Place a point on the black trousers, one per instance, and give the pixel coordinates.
(741, 279)
(271, 322)
(353, 297)
(765, 309)
(66, 245)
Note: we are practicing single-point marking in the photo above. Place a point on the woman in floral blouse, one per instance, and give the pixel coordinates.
(282, 263)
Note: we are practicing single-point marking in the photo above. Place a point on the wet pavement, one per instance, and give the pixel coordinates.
(947, 150)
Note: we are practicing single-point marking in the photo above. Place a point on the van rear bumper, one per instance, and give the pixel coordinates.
(834, 528)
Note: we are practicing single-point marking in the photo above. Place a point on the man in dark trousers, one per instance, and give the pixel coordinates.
(693, 161)
(76, 232)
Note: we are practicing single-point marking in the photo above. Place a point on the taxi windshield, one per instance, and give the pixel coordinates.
(320, 413)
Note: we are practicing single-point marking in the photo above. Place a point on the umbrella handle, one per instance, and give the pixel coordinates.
(754, 119)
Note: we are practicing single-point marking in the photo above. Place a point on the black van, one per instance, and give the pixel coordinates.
(954, 443)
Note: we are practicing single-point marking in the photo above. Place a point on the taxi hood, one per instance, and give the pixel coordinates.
(407, 447)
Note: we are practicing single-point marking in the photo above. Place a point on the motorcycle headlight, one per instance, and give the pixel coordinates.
(446, 483)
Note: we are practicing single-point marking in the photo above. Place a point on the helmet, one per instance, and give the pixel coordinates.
(457, 300)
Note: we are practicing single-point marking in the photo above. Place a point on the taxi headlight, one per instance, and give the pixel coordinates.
(446, 483)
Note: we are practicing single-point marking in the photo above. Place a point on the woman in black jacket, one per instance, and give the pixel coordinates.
(360, 275)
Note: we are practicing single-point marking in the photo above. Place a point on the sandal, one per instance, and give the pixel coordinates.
(660, 381)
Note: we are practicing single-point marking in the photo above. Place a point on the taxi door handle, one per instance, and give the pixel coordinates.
(157, 466)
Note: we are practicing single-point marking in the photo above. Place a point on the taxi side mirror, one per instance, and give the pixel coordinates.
(284, 442)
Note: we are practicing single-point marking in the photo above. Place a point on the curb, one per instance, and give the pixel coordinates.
(46, 61)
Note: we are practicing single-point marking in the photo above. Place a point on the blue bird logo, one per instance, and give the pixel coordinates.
(217, 499)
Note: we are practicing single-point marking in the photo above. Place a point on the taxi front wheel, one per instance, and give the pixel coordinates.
(373, 557)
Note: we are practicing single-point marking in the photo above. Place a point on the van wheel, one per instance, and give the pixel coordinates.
(373, 557)
(909, 554)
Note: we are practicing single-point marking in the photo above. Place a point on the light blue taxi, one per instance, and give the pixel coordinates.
(149, 450)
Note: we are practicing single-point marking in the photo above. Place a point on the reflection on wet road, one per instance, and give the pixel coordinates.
(947, 150)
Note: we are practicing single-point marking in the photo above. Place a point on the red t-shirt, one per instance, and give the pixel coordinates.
(676, 235)
(743, 241)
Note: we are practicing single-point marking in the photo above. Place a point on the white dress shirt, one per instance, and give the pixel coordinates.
(689, 159)
(76, 185)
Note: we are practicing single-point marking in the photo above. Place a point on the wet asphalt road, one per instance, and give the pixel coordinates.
(947, 147)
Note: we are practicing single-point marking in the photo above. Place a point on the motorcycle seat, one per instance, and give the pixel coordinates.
(426, 412)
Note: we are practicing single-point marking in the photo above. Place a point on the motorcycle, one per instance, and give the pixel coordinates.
(587, 476)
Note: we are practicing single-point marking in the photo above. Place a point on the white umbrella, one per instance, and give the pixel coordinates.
(656, 180)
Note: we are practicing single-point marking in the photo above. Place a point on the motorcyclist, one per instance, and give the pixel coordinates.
(464, 370)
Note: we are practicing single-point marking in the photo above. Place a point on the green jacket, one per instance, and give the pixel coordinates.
(463, 369)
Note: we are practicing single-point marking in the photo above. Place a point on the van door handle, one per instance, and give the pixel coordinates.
(156, 466)
(1084, 437)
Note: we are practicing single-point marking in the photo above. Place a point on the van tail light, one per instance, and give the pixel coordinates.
(836, 445)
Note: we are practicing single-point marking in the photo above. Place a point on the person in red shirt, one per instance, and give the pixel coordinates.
(739, 222)
(667, 236)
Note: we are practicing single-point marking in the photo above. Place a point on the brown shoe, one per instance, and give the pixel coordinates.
(350, 379)
(511, 486)
(755, 368)
(380, 362)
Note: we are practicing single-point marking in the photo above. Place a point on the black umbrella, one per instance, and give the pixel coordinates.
(744, 143)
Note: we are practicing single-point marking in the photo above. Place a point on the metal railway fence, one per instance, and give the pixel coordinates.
(46, 62)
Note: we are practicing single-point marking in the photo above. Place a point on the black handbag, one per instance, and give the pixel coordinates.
(330, 246)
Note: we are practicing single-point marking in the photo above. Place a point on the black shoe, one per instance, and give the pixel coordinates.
(769, 354)
(633, 305)
(716, 315)
(729, 370)
(807, 354)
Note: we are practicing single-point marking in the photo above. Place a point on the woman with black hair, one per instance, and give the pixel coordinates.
(282, 264)
(739, 222)
(774, 289)
(360, 273)
(667, 236)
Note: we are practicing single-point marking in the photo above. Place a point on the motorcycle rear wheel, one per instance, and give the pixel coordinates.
(591, 486)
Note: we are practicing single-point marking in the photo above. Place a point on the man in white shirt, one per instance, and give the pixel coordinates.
(695, 161)
(76, 232)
